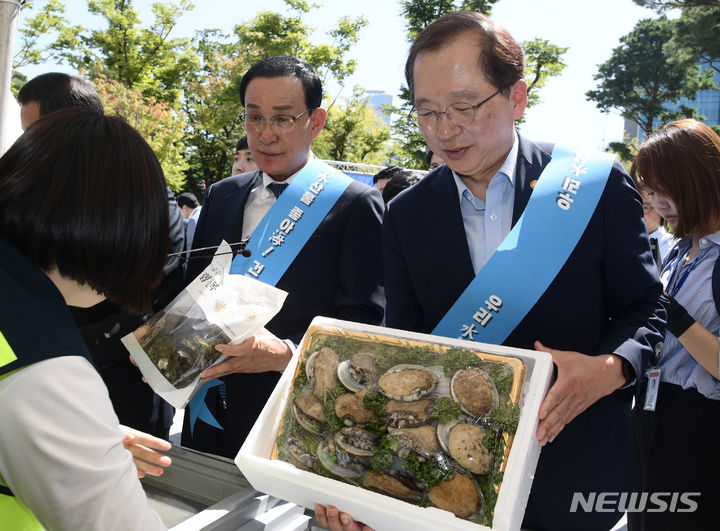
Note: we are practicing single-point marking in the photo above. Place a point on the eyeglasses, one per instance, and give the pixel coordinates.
(280, 123)
(647, 207)
(458, 113)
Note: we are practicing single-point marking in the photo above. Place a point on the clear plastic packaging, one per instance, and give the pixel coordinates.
(178, 343)
(421, 422)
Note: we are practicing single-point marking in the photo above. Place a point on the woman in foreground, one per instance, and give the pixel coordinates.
(674, 423)
(83, 217)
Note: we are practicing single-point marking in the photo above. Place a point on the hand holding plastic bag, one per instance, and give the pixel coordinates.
(177, 344)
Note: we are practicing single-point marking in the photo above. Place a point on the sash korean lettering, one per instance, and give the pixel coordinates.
(290, 222)
(531, 256)
(278, 239)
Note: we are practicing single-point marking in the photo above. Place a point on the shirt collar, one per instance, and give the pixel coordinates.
(507, 170)
(714, 237)
(267, 179)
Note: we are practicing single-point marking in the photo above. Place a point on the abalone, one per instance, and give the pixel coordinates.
(350, 410)
(408, 382)
(475, 391)
(460, 495)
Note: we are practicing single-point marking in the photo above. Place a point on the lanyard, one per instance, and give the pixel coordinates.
(681, 275)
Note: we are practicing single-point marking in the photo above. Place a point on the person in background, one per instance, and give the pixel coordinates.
(190, 211)
(337, 271)
(103, 325)
(63, 457)
(658, 234)
(394, 180)
(598, 312)
(381, 178)
(52, 91)
(679, 167)
(244, 160)
(433, 160)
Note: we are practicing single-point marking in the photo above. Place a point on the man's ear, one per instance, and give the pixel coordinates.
(518, 96)
(318, 117)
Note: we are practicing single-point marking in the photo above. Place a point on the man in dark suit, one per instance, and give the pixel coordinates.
(601, 315)
(338, 272)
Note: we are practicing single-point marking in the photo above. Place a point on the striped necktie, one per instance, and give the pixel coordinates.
(277, 188)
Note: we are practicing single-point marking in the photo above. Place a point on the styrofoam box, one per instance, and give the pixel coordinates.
(283, 480)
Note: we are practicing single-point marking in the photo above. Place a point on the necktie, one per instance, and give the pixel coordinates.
(277, 188)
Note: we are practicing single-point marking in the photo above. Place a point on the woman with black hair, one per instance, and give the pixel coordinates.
(83, 217)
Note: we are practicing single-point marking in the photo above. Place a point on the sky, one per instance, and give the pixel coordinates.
(589, 28)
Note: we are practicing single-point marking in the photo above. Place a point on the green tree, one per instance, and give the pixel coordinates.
(664, 5)
(353, 133)
(146, 59)
(159, 124)
(212, 101)
(32, 37)
(543, 60)
(641, 77)
(420, 13)
(696, 36)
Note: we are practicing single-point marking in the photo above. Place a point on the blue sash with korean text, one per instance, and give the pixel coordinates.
(531, 256)
(278, 239)
(290, 222)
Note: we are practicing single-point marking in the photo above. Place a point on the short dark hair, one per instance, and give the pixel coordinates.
(399, 179)
(241, 143)
(83, 192)
(287, 66)
(682, 161)
(501, 58)
(386, 173)
(55, 90)
(187, 199)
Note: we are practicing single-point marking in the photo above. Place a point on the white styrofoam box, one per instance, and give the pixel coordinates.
(283, 480)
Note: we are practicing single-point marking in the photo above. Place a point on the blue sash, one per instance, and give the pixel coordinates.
(531, 256)
(288, 225)
(278, 239)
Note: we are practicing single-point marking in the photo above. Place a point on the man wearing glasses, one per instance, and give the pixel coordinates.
(337, 271)
(579, 282)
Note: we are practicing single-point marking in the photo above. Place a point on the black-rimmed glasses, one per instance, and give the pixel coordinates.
(460, 113)
(280, 123)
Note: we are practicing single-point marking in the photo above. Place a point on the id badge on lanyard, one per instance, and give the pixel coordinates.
(653, 384)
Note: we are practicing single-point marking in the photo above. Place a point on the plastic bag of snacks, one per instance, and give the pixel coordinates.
(425, 423)
(178, 343)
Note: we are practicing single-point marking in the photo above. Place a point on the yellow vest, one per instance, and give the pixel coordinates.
(14, 516)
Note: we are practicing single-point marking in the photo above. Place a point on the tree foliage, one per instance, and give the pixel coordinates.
(420, 13)
(146, 59)
(353, 133)
(543, 60)
(665, 5)
(212, 102)
(159, 124)
(641, 76)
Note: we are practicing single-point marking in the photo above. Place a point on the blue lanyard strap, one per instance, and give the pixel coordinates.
(681, 274)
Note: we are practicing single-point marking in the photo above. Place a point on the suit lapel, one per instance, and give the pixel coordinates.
(453, 246)
(235, 207)
(532, 159)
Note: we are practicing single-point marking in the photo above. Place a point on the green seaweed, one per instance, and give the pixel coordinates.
(445, 409)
